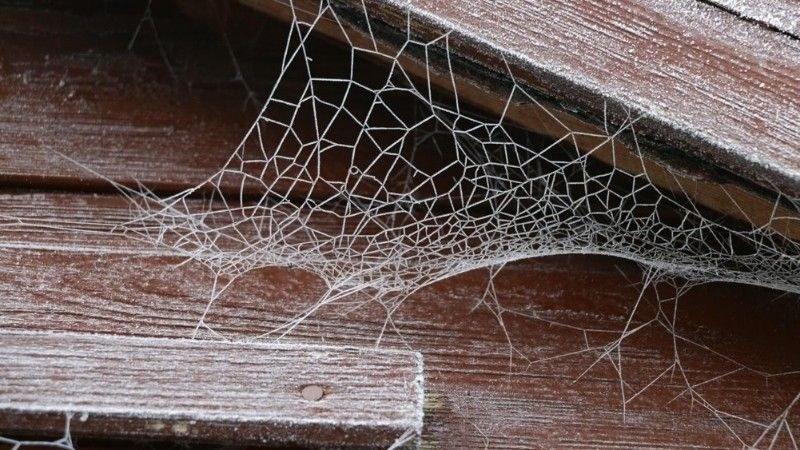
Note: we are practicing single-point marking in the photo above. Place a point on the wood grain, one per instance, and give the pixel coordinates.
(726, 89)
(77, 115)
(781, 15)
(558, 312)
(553, 115)
(201, 390)
(118, 113)
(69, 86)
(539, 399)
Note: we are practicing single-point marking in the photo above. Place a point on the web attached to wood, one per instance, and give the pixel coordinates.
(360, 170)
(368, 175)
(379, 183)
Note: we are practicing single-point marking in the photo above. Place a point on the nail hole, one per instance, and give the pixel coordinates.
(312, 392)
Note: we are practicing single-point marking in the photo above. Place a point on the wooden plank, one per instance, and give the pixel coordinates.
(781, 15)
(472, 389)
(554, 115)
(204, 390)
(703, 80)
(109, 88)
(171, 140)
(105, 107)
(75, 114)
(114, 110)
(476, 397)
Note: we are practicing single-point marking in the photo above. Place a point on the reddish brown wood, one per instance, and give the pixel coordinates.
(471, 387)
(116, 386)
(57, 279)
(702, 79)
(596, 113)
(104, 113)
(117, 112)
(781, 15)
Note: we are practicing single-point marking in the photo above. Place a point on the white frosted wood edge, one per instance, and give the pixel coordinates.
(208, 390)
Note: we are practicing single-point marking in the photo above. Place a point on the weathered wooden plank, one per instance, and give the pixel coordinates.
(85, 375)
(471, 388)
(782, 15)
(725, 88)
(172, 140)
(69, 85)
(63, 92)
(663, 168)
(475, 396)
(75, 114)
(205, 390)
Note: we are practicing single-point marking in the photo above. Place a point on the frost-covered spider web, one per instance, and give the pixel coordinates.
(360, 171)
(379, 183)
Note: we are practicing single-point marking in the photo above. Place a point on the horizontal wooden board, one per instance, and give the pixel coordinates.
(55, 278)
(473, 393)
(71, 89)
(81, 116)
(117, 113)
(200, 390)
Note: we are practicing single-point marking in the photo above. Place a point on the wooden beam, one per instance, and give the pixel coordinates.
(540, 397)
(171, 139)
(54, 279)
(780, 15)
(560, 59)
(701, 79)
(277, 394)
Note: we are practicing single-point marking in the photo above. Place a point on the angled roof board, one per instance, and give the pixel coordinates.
(781, 15)
(702, 81)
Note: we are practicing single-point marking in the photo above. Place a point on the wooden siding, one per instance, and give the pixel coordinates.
(558, 388)
(201, 390)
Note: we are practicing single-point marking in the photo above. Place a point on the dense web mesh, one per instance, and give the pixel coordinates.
(381, 184)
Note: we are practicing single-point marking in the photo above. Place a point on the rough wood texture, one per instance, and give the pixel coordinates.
(200, 390)
(701, 78)
(559, 313)
(782, 15)
(118, 113)
(558, 113)
(114, 110)
(539, 399)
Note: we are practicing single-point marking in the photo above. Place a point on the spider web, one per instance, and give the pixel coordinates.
(381, 184)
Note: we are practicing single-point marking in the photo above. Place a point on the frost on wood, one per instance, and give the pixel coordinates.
(381, 185)
(784, 15)
(245, 392)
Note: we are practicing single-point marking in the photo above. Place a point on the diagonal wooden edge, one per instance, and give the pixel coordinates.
(701, 80)
(274, 393)
(780, 15)
(661, 155)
